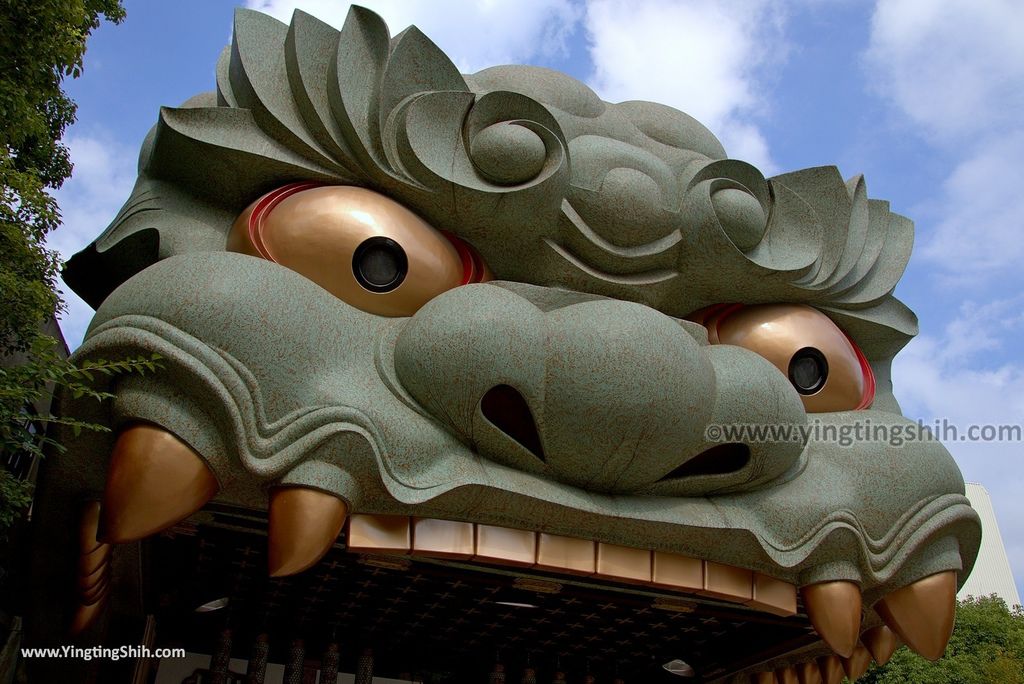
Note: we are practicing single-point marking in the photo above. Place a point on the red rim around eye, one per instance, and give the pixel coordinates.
(472, 263)
(263, 208)
(868, 396)
(711, 316)
(702, 316)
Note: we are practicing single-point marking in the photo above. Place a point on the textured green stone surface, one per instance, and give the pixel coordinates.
(604, 224)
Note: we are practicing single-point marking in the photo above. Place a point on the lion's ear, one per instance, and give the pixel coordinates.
(158, 220)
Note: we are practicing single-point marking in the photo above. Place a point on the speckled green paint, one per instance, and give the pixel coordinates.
(604, 225)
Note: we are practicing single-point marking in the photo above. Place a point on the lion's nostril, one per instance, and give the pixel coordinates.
(506, 409)
(718, 460)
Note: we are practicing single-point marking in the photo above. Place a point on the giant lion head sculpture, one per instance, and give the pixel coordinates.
(491, 318)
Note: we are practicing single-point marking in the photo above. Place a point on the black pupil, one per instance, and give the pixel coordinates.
(379, 264)
(808, 370)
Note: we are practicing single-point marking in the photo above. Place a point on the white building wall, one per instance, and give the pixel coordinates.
(992, 573)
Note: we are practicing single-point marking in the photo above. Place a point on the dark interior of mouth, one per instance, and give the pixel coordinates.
(720, 459)
(506, 409)
(441, 620)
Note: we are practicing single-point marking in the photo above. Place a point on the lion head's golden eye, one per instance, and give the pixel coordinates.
(359, 245)
(824, 366)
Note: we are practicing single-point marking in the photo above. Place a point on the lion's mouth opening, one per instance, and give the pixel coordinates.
(423, 602)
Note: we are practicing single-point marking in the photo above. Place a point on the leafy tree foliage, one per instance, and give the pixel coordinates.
(44, 42)
(987, 647)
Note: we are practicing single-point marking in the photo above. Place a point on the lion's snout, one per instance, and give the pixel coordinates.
(605, 395)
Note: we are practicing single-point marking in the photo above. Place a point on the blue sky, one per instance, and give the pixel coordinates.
(923, 98)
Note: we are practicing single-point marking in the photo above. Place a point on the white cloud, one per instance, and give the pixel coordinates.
(101, 182)
(945, 376)
(955, 71)
(978, 234)
(701, 58)
(954, 67)
(474, 33)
